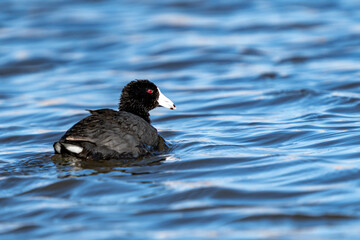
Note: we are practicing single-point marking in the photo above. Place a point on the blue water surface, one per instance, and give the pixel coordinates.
(264, 142)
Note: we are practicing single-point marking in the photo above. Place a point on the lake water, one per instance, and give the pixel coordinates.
(265, 141)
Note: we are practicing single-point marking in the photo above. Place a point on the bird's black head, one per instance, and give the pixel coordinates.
(141, 96)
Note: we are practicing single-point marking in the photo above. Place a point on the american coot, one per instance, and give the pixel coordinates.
(110, 134)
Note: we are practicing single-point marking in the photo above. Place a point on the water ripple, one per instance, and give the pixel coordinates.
(263, 144)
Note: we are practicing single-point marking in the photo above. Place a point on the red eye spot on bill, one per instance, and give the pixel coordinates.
(150, 91)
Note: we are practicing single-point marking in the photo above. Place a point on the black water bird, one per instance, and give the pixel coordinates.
(110, 134)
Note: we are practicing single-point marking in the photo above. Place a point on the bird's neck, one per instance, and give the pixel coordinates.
(135, 109)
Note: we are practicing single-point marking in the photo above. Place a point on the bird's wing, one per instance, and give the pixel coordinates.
(122, 132)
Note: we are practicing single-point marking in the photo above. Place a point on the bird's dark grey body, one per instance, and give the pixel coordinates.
(107, 134)
(110, 134)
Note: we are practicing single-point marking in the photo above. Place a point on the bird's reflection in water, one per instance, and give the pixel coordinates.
(69, 166)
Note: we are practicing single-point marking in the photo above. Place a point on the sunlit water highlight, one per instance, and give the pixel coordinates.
(264, 141)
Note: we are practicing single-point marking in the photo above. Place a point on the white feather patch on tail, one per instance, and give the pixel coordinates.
(73, 148)
(57, 147)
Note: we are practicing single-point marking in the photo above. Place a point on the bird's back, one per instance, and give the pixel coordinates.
(109, 134)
